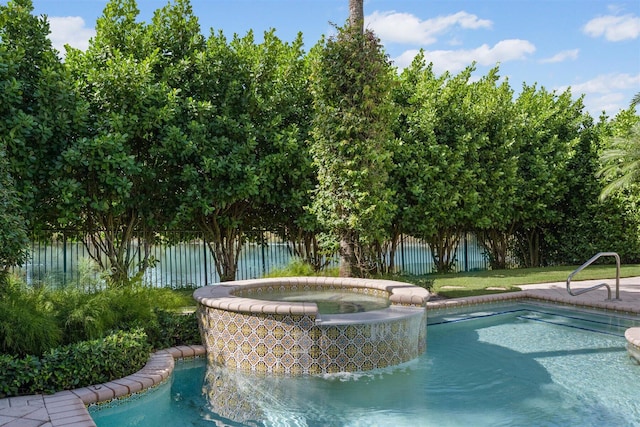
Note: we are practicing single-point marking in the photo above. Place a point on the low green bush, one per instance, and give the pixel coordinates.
(19, 375)
(28, 325)
(76, 365)
(36, 321)
(173, 329)
(298, 267)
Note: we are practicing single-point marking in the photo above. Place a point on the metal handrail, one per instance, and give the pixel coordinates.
(588, 263)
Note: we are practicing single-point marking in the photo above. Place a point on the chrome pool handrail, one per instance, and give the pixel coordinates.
(588, 263)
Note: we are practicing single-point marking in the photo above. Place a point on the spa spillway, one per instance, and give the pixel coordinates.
(242, 330)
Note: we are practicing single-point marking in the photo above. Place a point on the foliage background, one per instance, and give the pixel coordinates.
(156, 126)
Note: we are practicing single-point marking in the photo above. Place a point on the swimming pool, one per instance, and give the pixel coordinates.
(523, 364)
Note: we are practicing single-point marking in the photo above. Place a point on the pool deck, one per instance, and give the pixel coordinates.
(557, 293)
(69, 408)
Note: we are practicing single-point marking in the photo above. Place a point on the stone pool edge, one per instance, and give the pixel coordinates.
(69, 407)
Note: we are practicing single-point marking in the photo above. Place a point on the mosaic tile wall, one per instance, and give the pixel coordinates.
(295, 344)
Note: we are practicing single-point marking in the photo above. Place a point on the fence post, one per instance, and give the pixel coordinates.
(264, 263)
(204, 253)
(466, 252)
(402, 250)
(64, 258)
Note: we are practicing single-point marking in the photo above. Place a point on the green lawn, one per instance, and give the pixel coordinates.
(476, 283)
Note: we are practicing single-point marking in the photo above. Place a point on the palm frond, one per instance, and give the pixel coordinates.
(621, 162)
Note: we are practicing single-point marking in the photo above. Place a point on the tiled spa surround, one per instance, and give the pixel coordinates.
(249, 334)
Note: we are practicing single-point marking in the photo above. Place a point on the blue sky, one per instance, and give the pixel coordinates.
(592, 46)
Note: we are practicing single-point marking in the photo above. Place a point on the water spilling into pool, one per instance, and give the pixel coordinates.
(500, 365)
(310, 325)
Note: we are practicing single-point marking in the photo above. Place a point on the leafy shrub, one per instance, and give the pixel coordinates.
(90, 315)
(172, 329)
(82, 315)
(298, 268)
(76, 365)
(27, 326)
(19, 376)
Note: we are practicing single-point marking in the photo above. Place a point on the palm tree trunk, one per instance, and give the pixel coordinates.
(356, 14)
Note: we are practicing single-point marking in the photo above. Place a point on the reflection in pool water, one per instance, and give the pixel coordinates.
(517, 365)
(330, 302)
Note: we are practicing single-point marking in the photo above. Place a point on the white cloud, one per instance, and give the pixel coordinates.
(396, 27)
(456, 60)
(70, 30)
(614, 28)
(608, 92)
(562, 56)
(611, 103)
(608, 83)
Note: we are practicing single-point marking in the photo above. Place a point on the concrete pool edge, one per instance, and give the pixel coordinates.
(69, 407)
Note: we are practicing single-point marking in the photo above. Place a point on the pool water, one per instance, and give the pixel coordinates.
(496, 366)
(329, 302)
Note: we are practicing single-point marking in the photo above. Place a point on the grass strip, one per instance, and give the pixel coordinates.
(457, 285)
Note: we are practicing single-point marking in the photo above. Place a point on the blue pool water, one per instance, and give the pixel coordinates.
(495, 366)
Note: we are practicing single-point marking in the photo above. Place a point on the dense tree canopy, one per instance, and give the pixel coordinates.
(110, 184)
(158, 126)
(353, 142)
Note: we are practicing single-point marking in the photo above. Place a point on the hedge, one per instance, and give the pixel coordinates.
(75, 365)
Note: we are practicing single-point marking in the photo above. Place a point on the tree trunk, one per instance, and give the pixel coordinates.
(109, 242)
(444, 246)
(225, 244)
(529, 244)
(304, 245)
(496, 243)
(356, 14)
(347, 254)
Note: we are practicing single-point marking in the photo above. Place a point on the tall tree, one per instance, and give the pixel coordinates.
(453, 198)
(13, 233)
(39, 110)
(243, 157)
(353, 142)
(494, 162)
(548, 126)
(110, 186)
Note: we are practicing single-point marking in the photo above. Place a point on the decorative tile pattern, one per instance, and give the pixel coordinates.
(293, 344)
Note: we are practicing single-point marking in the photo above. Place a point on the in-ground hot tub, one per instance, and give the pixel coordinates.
(242, 331)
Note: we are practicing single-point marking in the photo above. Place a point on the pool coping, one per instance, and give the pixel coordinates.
(66, 408)
(69, 407)
(618, 307)
(237, 296)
